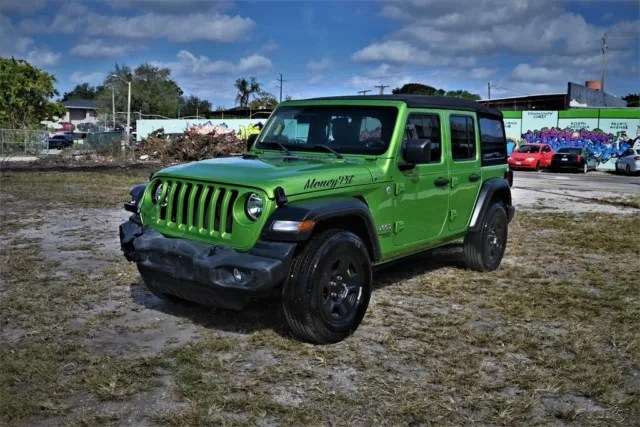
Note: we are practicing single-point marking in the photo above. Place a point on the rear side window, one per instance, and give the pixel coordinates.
(494, 143)
(463, 138)
(428, 127)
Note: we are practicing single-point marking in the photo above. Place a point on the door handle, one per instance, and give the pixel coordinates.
(442, 182)
(474, 177)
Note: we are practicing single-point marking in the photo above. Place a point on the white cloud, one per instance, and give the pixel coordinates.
(268, 47)
(21, 7)
(401, 52)
(527, 73)
(100, 49)
(209, 27)
(10, 42)
(483, 73)
(189, 64)
(93, 79)
(321, 65)
(43, 58)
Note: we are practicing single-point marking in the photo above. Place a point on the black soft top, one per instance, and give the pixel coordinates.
(421, 101)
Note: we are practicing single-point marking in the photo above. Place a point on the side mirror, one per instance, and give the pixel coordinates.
(415, 151)
(251, 139)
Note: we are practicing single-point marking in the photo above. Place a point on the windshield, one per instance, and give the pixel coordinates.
(570, 150)
(345, 129)
(528, 149)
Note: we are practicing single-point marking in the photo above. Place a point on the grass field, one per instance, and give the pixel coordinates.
(551, 338)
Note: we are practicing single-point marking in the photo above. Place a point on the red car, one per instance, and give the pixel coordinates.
(67, 127)
(531, 156)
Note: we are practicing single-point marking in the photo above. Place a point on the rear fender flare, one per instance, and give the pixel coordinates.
(489, 189)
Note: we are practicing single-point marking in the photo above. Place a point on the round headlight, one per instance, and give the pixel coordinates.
(157, 194)
(253, 207)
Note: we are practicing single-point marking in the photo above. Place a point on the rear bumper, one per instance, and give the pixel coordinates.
(210, 274)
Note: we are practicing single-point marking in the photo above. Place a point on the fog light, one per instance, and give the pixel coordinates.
(237, 275)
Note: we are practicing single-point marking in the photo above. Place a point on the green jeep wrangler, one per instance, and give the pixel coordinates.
(330, 189)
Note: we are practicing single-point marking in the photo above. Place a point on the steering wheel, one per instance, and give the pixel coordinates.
(373, 142)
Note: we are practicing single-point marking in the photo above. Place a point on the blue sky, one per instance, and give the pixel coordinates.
(332, 48)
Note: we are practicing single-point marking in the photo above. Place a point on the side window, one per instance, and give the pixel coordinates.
(493, 142)
(463, 138)
(546, 149)
(428, 127)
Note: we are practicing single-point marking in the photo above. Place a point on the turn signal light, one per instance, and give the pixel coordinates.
(305, 225)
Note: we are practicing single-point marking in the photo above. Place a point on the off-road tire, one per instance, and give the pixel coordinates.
(478, 253)
(303, 295)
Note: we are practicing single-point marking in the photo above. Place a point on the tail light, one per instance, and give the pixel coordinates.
(636, 158)
(579, 158)
(508, 175)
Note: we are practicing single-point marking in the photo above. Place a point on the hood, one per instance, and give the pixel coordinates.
(302, 175)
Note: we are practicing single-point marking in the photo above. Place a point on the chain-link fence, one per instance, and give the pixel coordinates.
(22, 142)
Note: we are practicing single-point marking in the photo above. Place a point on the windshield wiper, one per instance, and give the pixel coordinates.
(331, 150)
(282, 147)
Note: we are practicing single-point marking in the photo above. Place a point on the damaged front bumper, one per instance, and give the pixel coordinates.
(208, 274)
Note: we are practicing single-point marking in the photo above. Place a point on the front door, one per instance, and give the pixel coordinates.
(422, 193)
(465, 168)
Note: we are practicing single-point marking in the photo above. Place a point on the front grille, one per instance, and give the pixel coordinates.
(197, 207)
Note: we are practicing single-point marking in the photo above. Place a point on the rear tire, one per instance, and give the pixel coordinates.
(329, 288)
(585, 168)
(538, 167)
(483, 249)
(627, 171)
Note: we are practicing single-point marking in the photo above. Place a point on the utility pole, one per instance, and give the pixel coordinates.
(364, 92)
(604, 61)
(197, 112)
(381, 87)
(113, 106)
(281, 86)
(489, 89)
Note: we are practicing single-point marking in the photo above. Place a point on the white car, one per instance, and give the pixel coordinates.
(629, 161)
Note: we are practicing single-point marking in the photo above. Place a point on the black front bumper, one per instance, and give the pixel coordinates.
(209, 274)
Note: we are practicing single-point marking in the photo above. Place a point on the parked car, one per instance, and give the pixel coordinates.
(629, 161)
(573, 158)
(60, 141)
(68, 127)
(531, 156)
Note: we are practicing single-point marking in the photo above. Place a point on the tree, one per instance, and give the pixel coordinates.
(25, 95)
(221, 108)
(415, 89)
(633, 99)
(153, 92)
(264, 100)
(83, 91)
(463, 94)
(192, 105)
(246, 88)
(287, 98)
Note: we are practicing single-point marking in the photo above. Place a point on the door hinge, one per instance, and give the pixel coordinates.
(398, 226)
(399, 188)
(453, 214)
(454, 181)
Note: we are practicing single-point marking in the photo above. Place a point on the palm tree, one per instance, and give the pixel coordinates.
(246, 88)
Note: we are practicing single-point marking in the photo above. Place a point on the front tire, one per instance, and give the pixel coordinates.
(483, 249)
(585, 168)
(627, 171)
(329, 288)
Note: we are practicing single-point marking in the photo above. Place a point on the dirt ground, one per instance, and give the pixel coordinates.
(551, 338)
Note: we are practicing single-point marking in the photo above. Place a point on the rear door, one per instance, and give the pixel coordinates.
(464, 164)
(422, 193)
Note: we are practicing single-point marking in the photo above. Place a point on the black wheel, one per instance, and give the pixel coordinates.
(585, 168)
(329, 288)
(627, 171)
(483, 249)
(538, 167)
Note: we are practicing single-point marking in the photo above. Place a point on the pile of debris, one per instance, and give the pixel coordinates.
(191, 146)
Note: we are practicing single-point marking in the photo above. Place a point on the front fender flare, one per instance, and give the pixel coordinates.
(491, 188)
(320, 210)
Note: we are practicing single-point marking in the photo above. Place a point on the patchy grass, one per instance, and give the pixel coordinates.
(551, 338)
